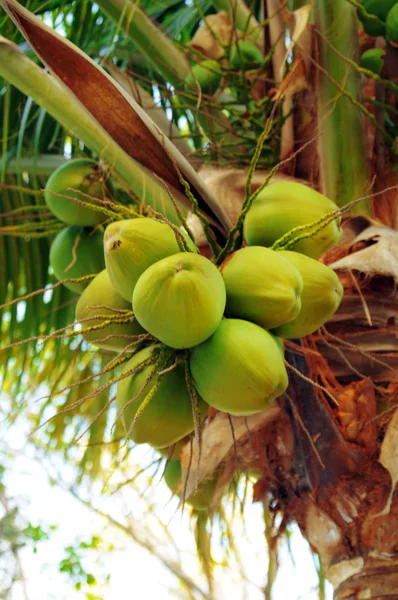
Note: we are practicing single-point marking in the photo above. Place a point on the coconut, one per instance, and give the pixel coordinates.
(373, 60)
(180, 300)
(392, 25)
(321, 296)
(245, 55)
(378, 8)
(207, 74)
(201, 499)
(81, 175)
(168, 417)
(99, 302)
(262, 287)
(76, 252)
(132, 246)
(282, 206)
(240, 369)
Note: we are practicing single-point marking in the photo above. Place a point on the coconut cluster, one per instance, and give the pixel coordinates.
(203, 335)
(77, 250)
(379, 19)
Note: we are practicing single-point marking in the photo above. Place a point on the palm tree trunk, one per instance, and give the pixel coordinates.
(375, 578)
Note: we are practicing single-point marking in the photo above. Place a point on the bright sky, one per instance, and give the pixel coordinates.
(133, 572)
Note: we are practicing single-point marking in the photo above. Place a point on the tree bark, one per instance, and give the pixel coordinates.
(376, 579)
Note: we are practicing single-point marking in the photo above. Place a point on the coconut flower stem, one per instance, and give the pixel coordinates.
(342, 145)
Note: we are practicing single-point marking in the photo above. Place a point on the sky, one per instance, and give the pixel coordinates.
(132, 571)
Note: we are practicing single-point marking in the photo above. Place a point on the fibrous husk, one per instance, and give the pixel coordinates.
(206, 42)
(367, 266)
(218, 442)
(374, 251)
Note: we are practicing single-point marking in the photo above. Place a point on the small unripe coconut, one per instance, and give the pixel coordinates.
(240, 369)
(321, 296)
(262, 287)
(99, 302)
(201, 499)
(245, 55)
(133, 245)
(207, 74)
(168, 417)
(180, 300)
(282, 206)
(392, 25)
(380, 9)
(76, 252)
(372, 60)
(82, 175)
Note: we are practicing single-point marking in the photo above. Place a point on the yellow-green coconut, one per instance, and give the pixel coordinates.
(262, 286)
(283, 206)
(321, 296)
(133, 245)
(71, 183)
(180, 300)
(168, 417)
(240, 369)
(99, 303)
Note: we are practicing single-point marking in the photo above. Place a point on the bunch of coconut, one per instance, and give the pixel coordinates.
(199, 334)
(203, 335)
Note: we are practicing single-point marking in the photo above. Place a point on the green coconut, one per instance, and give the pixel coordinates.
(321, 296)
(240, 369)
(168, 416)
(392, 25)
(76, 252)
(282, 206)
(132, 246)
(63, 189)
(180, 300)
(100, 302)
(245, 55)
(201, 499)
(207, 74)
(373, 60)
(262, 287)
(378, 8)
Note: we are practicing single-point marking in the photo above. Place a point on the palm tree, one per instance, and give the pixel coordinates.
(325, 452)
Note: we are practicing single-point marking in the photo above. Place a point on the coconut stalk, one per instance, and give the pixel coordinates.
(341, 127)
(277, 40)
(43, 164)
(168, 60)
